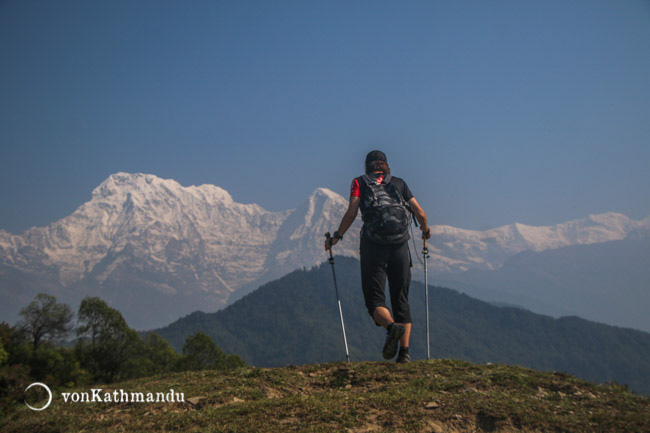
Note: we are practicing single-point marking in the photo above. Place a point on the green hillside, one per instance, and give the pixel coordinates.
(424, 396)
(294, 320)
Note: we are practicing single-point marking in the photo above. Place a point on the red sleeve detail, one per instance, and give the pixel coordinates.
(354, 189)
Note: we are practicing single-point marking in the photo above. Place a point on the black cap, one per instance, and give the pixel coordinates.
(375, 155)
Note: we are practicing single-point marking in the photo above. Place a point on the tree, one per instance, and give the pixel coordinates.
(45, 320)
(3, 354)
(159, 353)
(200, 352)
(156, 356)
(106, 343)
(233, 361)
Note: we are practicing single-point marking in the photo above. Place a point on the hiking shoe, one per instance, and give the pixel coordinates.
(392, 339)
(403, 356)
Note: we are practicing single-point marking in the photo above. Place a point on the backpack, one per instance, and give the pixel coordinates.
(385, 214)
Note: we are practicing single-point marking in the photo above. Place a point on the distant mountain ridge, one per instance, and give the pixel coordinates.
(461, 250)
(157, 250)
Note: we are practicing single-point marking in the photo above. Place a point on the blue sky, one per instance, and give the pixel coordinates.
(494, 112)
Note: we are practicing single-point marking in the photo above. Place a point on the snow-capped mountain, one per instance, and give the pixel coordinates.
(154, 249)
(457, 250)
(157, 250)
(299, 241)
(168, 226)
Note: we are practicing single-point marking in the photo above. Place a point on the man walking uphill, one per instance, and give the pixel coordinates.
(386, 203)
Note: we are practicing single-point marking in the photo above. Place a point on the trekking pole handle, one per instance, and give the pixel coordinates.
(425, 250)
(329, 242)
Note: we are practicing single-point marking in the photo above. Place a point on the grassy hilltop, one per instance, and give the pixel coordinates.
(424, 396)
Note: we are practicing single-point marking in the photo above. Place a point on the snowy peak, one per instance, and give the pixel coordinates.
(154, 218)
(460, 250)
(119, 183)
(146, 187)
(300, 239)
(150, 244)
(318, 206)
(596, 228)
(324, 194)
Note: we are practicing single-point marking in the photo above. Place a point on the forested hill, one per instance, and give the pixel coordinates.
(294, 320)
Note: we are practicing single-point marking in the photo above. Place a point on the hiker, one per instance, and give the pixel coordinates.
(386, 203)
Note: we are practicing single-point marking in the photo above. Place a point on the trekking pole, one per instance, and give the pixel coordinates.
(336, 287)
(425, 254)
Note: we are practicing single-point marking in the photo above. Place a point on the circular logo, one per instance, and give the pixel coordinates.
(46, 389)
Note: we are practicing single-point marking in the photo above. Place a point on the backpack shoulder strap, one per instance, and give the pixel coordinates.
(396, 189)
(401, 198)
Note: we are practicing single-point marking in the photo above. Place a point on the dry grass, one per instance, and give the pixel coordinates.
(424, 396)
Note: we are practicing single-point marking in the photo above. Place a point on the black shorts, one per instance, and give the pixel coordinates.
(379, 262)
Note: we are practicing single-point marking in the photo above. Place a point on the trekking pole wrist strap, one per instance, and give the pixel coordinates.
(337, 235)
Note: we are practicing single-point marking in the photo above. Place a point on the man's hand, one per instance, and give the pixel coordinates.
(330, 242)
(426, 234)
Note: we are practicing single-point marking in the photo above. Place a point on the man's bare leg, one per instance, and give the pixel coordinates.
(404, 341)
(382, 316)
